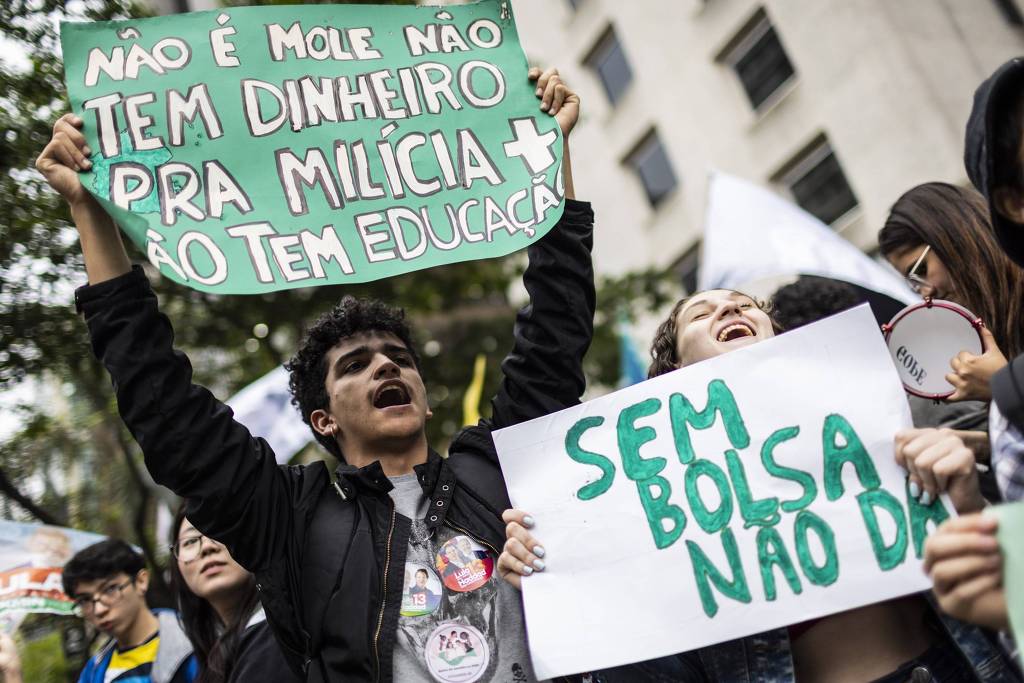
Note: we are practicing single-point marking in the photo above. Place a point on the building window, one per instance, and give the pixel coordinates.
(1011, 12)
(686, 269)
(649, 160)
(759, 60)
(609, 61)
(818, 183)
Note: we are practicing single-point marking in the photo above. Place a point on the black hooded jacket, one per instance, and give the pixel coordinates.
(329, 558)
(995, 94)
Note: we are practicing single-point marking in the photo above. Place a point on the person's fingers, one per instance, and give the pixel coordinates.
(941, 547)
(543, 79)
(948, 573)
(988, 340)
(923, 465)
(556, 104)
(60, 153)
(959, 599)
(549, 93)
(73, 150)
(513, 531)
(978, 522)
(518, 516)
(511, 570)
(521, 552)
(66, 126)
(70, 119)
(534, 73)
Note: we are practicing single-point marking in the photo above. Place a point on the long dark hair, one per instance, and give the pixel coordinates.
(215, 643)
(955, 223)
(664, 357)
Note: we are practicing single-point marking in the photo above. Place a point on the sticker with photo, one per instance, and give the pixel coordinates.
(421, 593)
(456, 653)
(464, 564)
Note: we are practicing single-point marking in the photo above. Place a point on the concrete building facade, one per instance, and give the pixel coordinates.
(841, 105)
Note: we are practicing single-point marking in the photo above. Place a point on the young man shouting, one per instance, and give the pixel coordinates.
(330, 558)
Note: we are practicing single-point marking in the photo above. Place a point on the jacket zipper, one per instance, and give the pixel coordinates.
(384, 597)
(478, 540)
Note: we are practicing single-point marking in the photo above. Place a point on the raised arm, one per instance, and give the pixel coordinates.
(234, 489)
(544, 371)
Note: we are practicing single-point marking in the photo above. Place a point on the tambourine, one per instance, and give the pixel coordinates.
(923, 338)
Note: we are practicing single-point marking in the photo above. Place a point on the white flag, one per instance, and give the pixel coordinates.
(751, 234)
(265, 408)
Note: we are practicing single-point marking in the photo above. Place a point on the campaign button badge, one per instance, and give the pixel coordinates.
(464, 564)
(456, 653)
(421, 594)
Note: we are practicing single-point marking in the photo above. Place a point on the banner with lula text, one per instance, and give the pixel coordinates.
(740, 494)
(32, 557)
(253, 149)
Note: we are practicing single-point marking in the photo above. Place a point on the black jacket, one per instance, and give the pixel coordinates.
(329, 559)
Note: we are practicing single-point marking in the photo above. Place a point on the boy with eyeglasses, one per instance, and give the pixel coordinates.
(108, 582)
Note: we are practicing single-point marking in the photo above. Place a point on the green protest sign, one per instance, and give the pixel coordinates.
(262, 148)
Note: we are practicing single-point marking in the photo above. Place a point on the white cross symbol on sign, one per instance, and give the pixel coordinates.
(529, 145)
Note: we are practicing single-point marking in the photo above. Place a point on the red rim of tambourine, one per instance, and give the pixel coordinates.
(928, 302)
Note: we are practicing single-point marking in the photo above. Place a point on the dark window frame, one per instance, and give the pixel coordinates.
(798, 176)
(646, 150)
(601, 59)
(759, 61)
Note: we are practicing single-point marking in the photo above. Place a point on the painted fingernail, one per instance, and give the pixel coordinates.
(540, 91)
(527, 570)
(86, 163)
(538, 551)
(528, 522)
(86, 151)
(538, 565)
(926, 498)
(543, 106)
(915, 490)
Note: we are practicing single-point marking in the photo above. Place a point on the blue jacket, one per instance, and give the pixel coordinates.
(174, 663)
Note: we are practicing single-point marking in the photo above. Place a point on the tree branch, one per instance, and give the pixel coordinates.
(8, 489)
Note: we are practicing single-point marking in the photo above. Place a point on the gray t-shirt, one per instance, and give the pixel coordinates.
(459, 622)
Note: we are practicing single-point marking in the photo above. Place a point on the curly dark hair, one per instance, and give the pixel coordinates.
(308, 367)
(810, 299)
(663, 349)
(99, 561)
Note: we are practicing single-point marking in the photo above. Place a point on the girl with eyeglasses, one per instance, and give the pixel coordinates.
(939, 236)
(221, 612)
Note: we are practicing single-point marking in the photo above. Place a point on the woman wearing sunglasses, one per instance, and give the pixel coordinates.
(939, 236)
(221, 612)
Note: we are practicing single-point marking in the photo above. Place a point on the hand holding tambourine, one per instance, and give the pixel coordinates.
(928, 338)
(972, 373)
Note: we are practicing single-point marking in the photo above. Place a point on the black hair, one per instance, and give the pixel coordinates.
(215, 644)
(810, 299)
(423, 571)
(99, 561)
(1008, 115)
(308, 367)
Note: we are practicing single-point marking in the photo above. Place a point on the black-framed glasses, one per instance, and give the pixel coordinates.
(109, 595)
(188, 549)
(917, 282)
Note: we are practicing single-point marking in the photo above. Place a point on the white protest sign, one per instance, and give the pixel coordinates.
(740, 494)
